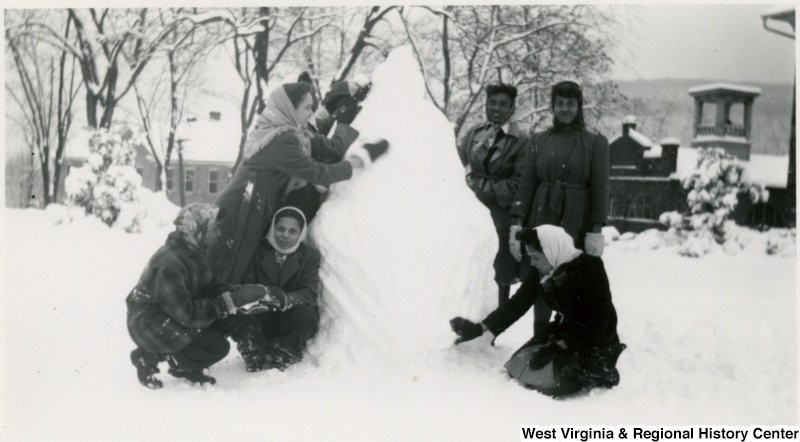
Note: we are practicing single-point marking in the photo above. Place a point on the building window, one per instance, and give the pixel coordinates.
(213, 179)
(169, 178)
(188, 181)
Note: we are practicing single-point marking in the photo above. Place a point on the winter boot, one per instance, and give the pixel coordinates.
(254, 358)
(281, 359)
(146, 368)
(193, 375)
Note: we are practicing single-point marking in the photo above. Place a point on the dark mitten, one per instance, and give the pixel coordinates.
(338, 91)
(376, 149)
(362, 92)
(347, 113)
(248, 293)
(465, 329)
(544, 355)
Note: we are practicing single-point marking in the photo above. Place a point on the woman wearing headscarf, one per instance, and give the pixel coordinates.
(564, 182)
(581, 349)
(175, 305)
(273, 334)
(276, 161)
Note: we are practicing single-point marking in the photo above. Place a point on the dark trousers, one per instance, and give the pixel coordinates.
(289, 331)
(205, 350)
(541, 311)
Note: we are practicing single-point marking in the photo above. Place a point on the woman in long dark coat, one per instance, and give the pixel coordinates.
(276, 161)
(564, 181)
(581, 350)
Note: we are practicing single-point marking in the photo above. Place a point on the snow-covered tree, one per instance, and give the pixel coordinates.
(714, 187)
(108, 186)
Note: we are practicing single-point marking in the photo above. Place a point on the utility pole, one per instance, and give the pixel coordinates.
(786, 14)
(181, 178)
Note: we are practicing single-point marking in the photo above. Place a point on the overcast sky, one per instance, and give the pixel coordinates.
(706, 41)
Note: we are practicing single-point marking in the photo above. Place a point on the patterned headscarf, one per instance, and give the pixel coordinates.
(279, 116)
(197, 224)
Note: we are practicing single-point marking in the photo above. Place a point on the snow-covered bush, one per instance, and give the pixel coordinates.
(108, 186)
(713, 186)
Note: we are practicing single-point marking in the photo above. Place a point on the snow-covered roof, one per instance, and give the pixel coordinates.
(671, 141)
(653, 152)
(769, 170)
(727, 87)
(210, 141)
(637, 136)
(778, 11)
(206, 141)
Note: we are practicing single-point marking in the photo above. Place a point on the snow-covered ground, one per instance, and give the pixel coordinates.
(406, 246)
(710, 340)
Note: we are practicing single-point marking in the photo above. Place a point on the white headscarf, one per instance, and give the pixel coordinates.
(271, 233)
(558, 247)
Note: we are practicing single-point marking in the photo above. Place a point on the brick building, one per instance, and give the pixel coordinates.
(209, 144)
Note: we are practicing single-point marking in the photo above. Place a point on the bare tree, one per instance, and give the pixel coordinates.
(44, 95)
(530, 46)
(257, 54)
(22, 177)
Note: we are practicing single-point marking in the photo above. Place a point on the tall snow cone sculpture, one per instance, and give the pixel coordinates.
(405, 244)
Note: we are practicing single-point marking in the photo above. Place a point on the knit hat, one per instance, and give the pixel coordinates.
(567, 89)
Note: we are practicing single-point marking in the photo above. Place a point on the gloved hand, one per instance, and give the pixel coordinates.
(377, 149)
(593, 244)
(514, 244)
(465, 329)
(347, 113)
(338, 91)
(362, 92)
(248, 293)
(544, 355)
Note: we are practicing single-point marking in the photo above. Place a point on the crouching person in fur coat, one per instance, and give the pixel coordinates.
(274, 332)
(175, 306)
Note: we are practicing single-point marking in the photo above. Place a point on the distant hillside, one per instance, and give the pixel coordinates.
(663, 108)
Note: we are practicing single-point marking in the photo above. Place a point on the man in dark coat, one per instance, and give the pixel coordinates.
(564, 182)
(175, 305)
(490, 152)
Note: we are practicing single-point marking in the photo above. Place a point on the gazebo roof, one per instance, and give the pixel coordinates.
(725, 88)
(780, 12)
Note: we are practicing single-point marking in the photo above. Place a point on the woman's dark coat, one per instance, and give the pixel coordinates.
(578, 290)
(564, 181)
(256, 191)
(176, 297)
(297, 277)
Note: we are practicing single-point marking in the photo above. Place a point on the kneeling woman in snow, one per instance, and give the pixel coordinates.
(273, 333)
(276, 163)
(581, 349)
(174, 309)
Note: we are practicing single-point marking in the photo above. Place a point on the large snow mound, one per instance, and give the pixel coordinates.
(406, 245)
